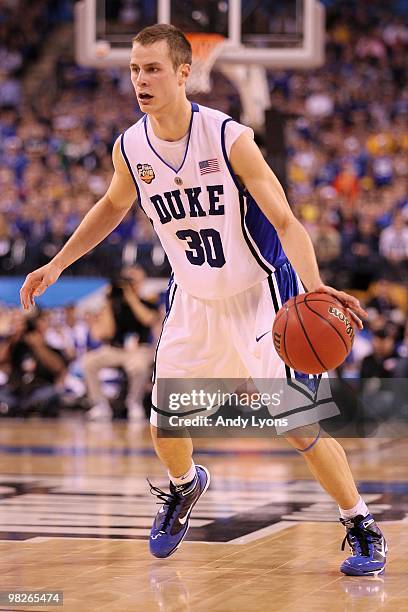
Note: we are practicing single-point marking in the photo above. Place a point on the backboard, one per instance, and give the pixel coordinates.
(270, 33)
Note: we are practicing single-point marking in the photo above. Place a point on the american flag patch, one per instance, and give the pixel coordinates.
(209, 165)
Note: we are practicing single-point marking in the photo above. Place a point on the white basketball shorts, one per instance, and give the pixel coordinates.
(231, 338)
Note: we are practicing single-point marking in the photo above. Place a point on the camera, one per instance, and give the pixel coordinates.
(116, 287)
(30, 325)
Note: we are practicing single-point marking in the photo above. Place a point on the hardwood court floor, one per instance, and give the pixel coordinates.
(75, 513)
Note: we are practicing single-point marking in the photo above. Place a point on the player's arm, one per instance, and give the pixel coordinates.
(249, 165)
(98, 223)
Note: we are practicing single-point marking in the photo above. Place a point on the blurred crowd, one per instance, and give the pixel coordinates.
(347, 144)
(24, 26)
(97, 359)
(346, 137)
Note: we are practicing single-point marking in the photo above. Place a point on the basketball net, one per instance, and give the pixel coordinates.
(206, 49)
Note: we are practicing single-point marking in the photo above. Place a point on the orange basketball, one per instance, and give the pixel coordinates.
(312, 333)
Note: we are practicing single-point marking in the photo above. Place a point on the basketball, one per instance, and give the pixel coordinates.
(313, 333)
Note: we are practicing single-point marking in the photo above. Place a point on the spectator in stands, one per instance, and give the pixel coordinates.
(70, 333)
(5, 243)
(394, 248)
(10, 90)
(383, 359)
(327, 243)
(365, 260)
(381, 396)
(403, 347)
(381, 299)
(124, 328)
(35, 368)
(401, 370)
(53, 239)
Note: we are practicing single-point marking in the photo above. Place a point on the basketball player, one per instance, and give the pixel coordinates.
(232, 240)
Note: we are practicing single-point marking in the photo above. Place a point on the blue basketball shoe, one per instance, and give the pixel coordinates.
(368, 547)
(173, 518)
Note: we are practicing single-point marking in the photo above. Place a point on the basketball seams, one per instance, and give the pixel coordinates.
(340, 305)
(275, 292)
(278, 317)
(284, 338)
(306, 302)
(304, 322)
(304, 332)
(330, 298)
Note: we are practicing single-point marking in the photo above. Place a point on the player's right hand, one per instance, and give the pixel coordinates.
(37, 282)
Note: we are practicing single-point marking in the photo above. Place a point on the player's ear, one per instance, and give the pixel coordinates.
(184, 71)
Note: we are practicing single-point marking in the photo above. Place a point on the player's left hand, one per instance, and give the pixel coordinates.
(351, 303)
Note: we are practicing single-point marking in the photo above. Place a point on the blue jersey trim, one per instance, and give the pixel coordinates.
(169, 305)
(234, 177)
(288, 287)
(257, 229)
(242, 193)
(251, 247)
(276, 307)
(263, 234)
(168, 290)
(194, 109)
(122, 148)
(139, 195)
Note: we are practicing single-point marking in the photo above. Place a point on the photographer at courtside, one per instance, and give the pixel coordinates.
(35, 368)
(124, 327)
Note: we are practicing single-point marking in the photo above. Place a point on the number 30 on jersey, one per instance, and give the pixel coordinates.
(205, 245)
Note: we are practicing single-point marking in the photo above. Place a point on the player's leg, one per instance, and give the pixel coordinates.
(188, 482)
(302, 404)
(174, 453)
(328, 463)
(189, 348)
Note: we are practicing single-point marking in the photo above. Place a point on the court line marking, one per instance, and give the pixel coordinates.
(265, 531)
(149, 452)
(126, 451)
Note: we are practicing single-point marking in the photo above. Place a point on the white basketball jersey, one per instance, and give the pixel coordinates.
(216, 238)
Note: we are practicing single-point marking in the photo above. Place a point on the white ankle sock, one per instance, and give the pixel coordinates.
(184, 478)
(359, 509)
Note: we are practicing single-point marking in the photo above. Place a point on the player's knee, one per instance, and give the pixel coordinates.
(304, 438)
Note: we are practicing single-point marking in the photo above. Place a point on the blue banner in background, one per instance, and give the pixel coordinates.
(65, 291)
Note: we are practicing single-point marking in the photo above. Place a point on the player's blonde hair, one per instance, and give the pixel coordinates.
(179, 47)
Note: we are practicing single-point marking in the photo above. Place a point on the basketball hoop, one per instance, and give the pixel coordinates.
(206, 49)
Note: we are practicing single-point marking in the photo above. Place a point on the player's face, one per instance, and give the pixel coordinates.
(153, 76)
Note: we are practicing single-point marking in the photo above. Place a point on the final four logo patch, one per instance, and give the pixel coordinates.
(146, 172)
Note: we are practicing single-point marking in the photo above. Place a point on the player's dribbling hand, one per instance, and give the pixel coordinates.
(352, 304)
(37, 282)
